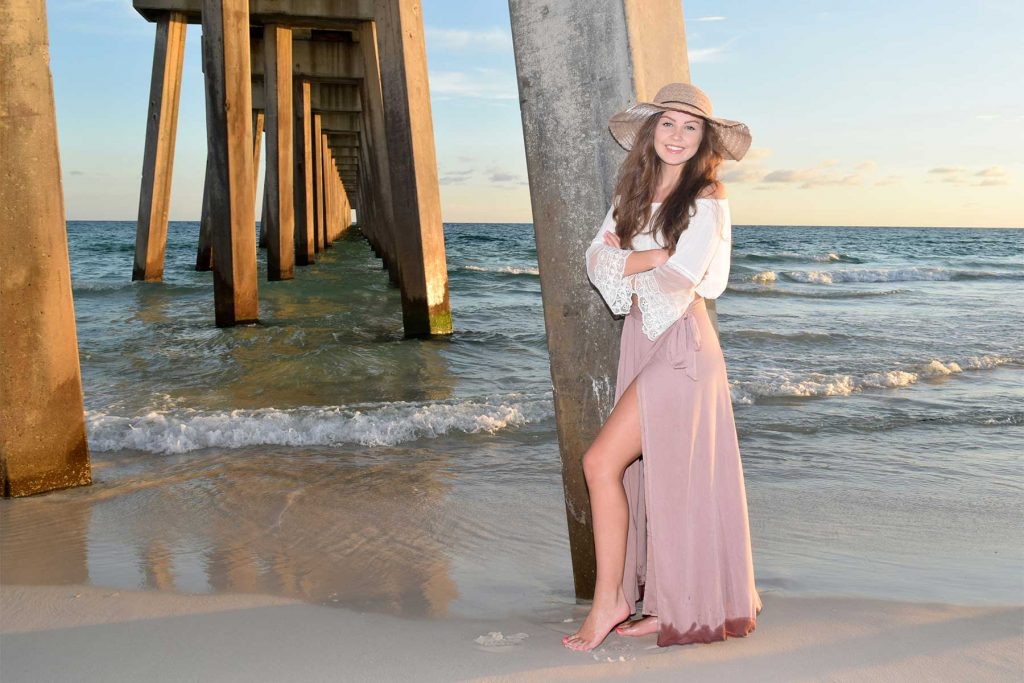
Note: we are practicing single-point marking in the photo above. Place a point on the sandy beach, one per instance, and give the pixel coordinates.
(85, 633)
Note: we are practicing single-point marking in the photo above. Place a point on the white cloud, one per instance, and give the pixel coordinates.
(462, 39)
(456, 177)
(709, 19)
(992, 172)
(749, 170)
(757, 154)
(815, 176)
(491, 84)
(743, 174)
(505, 178)
(705, 54)
(991, 176)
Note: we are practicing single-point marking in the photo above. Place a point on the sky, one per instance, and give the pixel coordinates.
(890, 113)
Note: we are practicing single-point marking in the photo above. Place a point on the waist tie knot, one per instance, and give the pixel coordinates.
(684, 344)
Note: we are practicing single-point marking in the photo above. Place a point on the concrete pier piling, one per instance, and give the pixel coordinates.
(42, 422)
(328, 171)
(158, 158)
(375, 190)
(320, 214)
(415, 194)
(204, 252)
(258, 120)
(229, 140)
(279, 184)
(632, 48)
(305, 242)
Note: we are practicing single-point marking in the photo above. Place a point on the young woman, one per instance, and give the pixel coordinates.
(670, 527)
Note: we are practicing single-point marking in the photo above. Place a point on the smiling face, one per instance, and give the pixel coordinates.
(677, 137)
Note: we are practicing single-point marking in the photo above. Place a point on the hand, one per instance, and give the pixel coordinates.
(660, 257)
(612, 240)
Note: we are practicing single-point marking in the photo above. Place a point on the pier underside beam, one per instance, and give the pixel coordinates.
(42, 422)
(158, 158)
(415, 193)
(229, 141)
(326, 14)
(633, 47)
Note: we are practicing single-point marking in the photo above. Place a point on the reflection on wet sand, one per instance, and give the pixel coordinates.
(336, 528)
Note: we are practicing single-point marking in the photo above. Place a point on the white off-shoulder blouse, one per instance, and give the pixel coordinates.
(700, 265)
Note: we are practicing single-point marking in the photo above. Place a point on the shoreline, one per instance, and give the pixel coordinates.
(88, 633)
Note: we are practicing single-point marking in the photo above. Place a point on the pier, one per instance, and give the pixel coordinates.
(338, 94)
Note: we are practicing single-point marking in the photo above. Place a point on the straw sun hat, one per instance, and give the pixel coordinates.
(734, 136)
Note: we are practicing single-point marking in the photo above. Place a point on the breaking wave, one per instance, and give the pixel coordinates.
(911, 274)
(180, 430)
(816, 384)
(504, 270)
(827, 257)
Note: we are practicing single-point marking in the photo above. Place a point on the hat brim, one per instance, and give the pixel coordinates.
(734, 135)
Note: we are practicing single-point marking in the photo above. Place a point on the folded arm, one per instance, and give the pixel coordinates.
(606, 268)
(665, 291)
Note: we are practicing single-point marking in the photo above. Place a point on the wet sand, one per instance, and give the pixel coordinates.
(391, 564)
(86, 633)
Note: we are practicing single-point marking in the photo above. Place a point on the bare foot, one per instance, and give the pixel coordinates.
(640, 627)
(598, 624)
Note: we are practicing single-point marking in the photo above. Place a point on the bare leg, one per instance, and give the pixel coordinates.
(616, 446)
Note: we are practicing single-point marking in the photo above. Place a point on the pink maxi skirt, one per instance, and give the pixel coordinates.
(688, 542)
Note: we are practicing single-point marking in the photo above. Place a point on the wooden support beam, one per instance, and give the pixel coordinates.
(229, 141)
(158, 157)
(415, 192)
(632, 47)
(42, 422)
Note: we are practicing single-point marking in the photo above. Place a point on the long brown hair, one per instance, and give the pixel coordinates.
(638, 180)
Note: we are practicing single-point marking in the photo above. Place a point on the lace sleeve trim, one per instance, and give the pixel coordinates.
(658, 310)
(616, 288)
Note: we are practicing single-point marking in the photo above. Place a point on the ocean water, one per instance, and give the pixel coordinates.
(877, 376)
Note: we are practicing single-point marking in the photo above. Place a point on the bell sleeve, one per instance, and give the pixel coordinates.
(665, 292)
(606, 266)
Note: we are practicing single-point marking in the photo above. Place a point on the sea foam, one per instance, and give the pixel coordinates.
(504, 270)
(911, 274)
(180, 430)
(816, 384)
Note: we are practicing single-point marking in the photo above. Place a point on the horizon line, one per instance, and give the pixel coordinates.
(735, 225)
